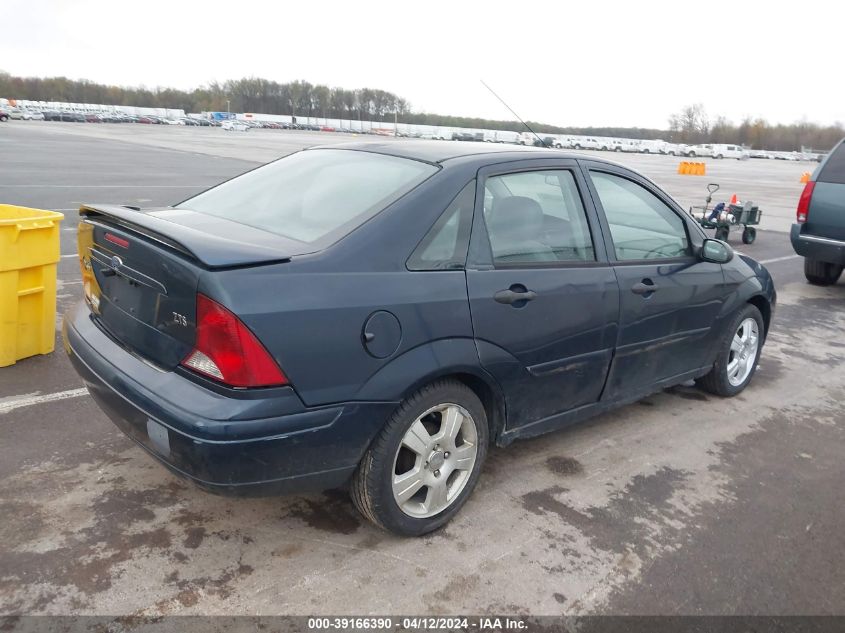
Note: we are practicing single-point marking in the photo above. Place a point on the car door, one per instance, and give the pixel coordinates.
(669, 298)
(543, 298)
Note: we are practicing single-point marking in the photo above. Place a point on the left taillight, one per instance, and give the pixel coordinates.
(227, 351)
(803, 211)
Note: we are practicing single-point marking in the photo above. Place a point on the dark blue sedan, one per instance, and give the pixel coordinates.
(378, 314)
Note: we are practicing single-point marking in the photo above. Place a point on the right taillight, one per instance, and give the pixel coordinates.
(804, 202)
(227, 351)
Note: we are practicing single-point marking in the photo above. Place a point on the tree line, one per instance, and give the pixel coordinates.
(693, 125)
(250, 94)
(302, 98)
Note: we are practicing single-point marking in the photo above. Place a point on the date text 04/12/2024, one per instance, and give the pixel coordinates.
(423, 623)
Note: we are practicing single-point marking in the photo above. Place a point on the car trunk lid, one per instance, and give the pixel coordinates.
(141, 271)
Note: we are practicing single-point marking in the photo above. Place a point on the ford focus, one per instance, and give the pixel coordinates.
(378, 315)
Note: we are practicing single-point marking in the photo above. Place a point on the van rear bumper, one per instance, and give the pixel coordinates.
(253, 443)
(823, 249)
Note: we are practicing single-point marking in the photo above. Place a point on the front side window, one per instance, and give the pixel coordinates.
(536, 217)
(314, 196)
(641, 224)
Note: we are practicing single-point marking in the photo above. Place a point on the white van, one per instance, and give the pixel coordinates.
(653, 147)
(730, 151)
(630, 145)
(695, 151)
(584, 142)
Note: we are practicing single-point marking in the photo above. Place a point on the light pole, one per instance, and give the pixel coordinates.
(227, 106)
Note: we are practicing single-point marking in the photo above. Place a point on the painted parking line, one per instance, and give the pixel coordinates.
(71, 255)
(30, 399)
(779, 259)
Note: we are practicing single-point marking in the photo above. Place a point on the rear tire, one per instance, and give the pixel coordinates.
(722, 233)
(821, 273)
(430, 456)
(741, 344)
(749, 235)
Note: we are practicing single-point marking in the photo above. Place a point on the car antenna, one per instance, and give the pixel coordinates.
(542, 144)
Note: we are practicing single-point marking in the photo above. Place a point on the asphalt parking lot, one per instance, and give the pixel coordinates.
(682, 503)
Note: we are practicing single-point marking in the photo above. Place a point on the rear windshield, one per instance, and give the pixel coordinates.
(315, 196)
(834, 167)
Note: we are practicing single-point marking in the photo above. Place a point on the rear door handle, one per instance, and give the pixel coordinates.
(511, 296)
(645, 287)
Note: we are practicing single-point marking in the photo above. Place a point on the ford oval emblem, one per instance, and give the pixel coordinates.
(115, 262)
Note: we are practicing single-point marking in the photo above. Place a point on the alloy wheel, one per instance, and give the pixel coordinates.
(435, 460)
(743, 352)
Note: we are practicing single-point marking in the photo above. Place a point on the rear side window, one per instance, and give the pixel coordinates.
(834, 168)
(536, 217)
(315, 196)
(445, 246)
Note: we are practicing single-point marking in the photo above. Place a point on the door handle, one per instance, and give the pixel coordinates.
(645, 287)
(515, 294)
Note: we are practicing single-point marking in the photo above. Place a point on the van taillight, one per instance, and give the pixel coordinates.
(227, 351)
(804, 202)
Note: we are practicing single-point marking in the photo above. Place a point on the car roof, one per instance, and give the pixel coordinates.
(440, 151)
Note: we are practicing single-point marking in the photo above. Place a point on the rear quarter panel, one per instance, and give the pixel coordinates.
(312, 323)
(827, 211)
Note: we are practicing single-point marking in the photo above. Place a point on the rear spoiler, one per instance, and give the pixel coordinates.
(215, 242)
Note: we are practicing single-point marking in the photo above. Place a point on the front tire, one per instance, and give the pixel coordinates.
(821, 273)
(739, 353)
(425, 462)
(722, 233)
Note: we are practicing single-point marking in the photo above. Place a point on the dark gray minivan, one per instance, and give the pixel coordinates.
(819, 231)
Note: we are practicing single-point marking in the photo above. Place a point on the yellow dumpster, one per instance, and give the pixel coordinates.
(29, 252)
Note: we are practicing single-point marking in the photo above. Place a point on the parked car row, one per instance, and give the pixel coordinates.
(149, 119)
(99, 117)
(642, 146)
(717, 150)
(657, 146)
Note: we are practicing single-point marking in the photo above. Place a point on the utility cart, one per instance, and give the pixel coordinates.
(723, 217)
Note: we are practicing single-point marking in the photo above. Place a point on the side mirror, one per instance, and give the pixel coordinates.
(716, 251)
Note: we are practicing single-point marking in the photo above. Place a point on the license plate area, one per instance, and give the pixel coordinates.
(159, 437)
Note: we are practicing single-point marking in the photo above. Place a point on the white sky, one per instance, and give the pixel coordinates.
(592, 62)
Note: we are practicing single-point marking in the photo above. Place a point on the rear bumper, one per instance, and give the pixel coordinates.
(823, 249)
(258, 442)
